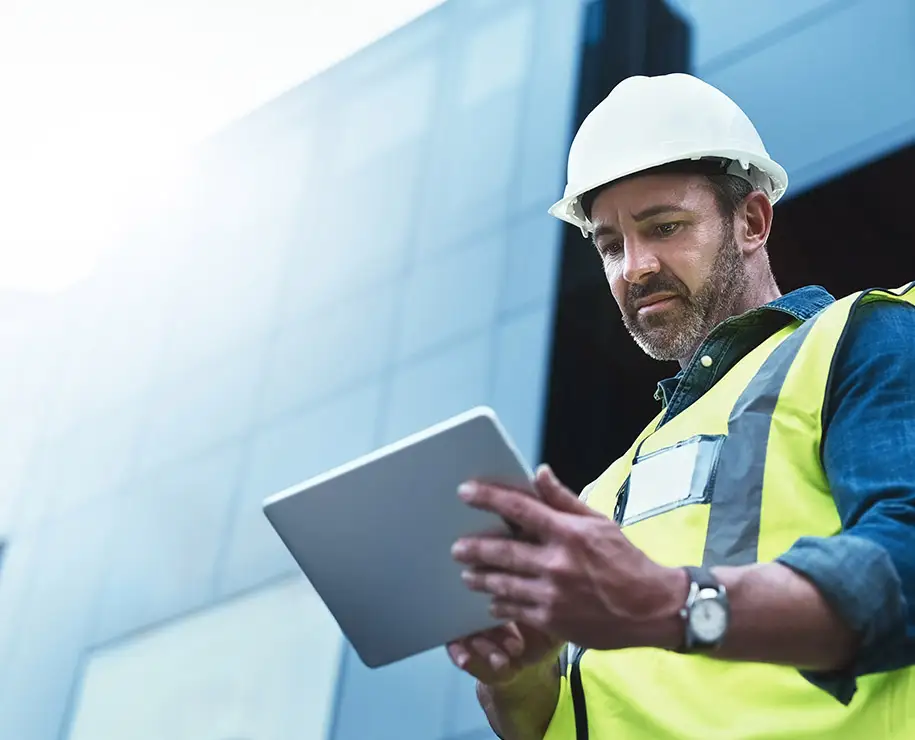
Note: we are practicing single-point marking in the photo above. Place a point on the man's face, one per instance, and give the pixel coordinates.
(672, 261)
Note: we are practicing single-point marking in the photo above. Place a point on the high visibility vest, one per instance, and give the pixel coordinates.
(734, 479)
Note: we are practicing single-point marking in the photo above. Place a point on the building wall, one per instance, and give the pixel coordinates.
(828, 83)
(365, 256)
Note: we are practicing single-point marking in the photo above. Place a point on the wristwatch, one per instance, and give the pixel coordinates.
(706, 614)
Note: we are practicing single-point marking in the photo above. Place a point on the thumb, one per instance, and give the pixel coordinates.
(557, 496)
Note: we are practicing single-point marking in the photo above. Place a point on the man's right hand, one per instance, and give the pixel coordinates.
(500, 655)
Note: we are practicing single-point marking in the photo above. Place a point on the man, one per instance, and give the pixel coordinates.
(745, 568)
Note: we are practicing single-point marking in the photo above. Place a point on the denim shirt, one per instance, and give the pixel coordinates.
(867, 571)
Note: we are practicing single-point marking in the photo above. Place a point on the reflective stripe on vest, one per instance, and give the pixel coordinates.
(733, 528)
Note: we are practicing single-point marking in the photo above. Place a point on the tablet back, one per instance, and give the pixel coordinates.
(374, 536)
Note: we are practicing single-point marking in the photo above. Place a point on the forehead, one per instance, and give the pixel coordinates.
(686, 191)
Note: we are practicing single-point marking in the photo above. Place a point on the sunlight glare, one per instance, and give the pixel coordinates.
(103, 101)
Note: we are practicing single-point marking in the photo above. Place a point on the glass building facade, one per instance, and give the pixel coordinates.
(364, 256)
(345, 266)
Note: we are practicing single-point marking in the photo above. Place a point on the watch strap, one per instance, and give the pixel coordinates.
(702, 577)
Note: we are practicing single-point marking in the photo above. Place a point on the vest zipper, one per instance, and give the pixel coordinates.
(578, 696)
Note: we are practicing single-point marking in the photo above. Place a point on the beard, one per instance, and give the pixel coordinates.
(676, 333)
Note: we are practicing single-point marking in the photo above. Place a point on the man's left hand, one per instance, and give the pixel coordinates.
(572, 574)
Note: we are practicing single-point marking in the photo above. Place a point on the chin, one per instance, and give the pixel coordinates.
(664, 344)
(662, 354)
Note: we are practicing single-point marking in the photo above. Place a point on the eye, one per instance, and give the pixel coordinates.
(610, 248)
(667, 229)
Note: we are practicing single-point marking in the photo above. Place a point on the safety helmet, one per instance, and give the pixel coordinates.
(646, 122)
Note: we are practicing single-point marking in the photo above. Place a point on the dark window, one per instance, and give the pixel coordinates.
(601, 384)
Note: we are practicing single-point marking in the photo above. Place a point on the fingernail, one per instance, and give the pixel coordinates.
(459, 548)
(463, 660)
(498, 662)
(466, 490)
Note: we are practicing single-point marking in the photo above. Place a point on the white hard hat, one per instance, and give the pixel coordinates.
(646, 122)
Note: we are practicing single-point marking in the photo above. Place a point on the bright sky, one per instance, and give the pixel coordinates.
(100, 98)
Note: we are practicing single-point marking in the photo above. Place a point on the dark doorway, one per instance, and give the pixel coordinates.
(851, 232)
(601, 385)
(848, 233)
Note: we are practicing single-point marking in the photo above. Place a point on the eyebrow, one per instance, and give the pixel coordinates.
(644, 215)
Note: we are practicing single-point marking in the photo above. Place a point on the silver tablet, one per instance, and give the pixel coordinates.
(374, 536)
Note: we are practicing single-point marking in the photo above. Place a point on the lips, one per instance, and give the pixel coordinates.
(652, 300)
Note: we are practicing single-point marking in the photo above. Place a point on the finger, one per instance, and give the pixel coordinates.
(504, 585)
(459, 654)
(488, 651)
(500, 553)
(513, 646)
(520, 508)
(530, 614)
(507, 638)
(556, 495)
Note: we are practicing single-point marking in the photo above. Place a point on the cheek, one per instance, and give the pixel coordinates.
(689, 265)
(618, 286)
(690, 273)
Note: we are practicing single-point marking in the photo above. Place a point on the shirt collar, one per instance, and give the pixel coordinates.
(801, 304)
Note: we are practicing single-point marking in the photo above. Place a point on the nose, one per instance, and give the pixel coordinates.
(639, 261)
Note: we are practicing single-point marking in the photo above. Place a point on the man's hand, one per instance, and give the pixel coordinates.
(500, 655)
(573, 575)
(517, 672)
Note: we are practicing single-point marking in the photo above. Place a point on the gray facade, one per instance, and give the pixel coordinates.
(828, 83)
(366, 255)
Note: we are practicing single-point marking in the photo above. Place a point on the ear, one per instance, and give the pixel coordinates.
(753, 222)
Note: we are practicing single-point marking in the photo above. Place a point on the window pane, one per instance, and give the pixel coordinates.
(263, 667)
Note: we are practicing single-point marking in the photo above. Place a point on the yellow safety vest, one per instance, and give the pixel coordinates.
(751, 483)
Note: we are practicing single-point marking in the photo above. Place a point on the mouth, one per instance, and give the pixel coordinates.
(655, 303)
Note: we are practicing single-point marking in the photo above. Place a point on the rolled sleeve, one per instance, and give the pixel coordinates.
(867, 572)
(858, 579)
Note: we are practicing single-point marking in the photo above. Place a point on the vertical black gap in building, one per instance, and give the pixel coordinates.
(601, 386)
(850, 232)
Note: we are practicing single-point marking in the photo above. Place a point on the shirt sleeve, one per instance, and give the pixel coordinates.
(867, 572)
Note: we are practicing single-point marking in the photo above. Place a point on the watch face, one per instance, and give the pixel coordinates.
(708, 620)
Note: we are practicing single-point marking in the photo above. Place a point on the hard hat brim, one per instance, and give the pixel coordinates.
(565, 208)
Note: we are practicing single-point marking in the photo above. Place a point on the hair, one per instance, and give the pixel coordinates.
(729, 190)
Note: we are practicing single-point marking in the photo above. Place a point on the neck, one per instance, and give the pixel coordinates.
(758, 294)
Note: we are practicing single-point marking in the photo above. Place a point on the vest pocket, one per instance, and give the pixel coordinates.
(671, 477)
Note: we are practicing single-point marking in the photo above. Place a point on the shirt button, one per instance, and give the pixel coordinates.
(706, 361)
